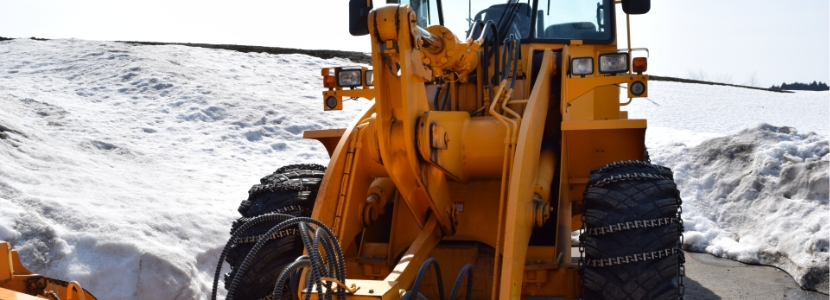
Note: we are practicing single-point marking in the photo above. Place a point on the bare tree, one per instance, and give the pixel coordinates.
(723, 78)
(697, 75)
(700, 75)
(752, 80)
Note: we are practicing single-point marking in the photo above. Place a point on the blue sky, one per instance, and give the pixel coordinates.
(771, 41)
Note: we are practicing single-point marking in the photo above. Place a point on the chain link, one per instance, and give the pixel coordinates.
(278, 186)
(581, 262)
(619, 260)
(275, 235)
(681, 269)
(631, 225)
(629, 177)
(280, 210)
(628, 163)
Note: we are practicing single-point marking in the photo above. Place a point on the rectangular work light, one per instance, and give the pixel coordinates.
(349, 78)
(582, 66)
(613, 63)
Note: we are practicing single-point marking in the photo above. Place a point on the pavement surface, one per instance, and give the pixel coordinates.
(710, 277)
(714, 278)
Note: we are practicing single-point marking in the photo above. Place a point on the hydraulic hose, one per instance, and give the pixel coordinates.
(467, 271)
(302, 262)
(319, 268)
(235, 235)
(420, 277)
(316, 277)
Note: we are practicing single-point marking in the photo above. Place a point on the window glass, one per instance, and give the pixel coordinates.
(587, 20)
(425, 10)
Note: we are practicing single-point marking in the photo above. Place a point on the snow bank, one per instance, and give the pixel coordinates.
(122, 166)
(752, 192)
(759, 196)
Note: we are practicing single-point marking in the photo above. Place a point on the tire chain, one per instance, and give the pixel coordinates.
(629, 163)
(681, 258)
(274, 187)
(632, 258)
(619, 260)
(276, 235)
(581, 262)
(637, 224)
(629, 177)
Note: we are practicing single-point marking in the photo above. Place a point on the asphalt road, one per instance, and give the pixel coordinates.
(709, 277)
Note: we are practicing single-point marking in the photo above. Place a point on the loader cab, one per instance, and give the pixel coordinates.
(542, 21)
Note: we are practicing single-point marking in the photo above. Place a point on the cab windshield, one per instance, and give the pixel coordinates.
(588, 20)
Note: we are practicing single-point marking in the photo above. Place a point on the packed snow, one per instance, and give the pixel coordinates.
(121, 166)
(753, 170)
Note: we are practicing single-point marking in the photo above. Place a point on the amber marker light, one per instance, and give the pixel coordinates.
(640, 65)
(328, 78)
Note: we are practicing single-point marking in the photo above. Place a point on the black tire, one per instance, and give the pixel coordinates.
(290, 190)
(622, 193)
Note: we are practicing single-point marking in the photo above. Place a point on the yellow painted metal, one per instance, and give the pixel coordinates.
(603, 124)
(592, 148)
(482, 148)
(544, 175)
(440, 141)
(366, 290)
(380, 193)
(13, 295)
(328, 137)
(17, 282)
(6, 270)
(461, 146)
(407, 267)
(519, 214)
(74, 291)
(338, 95)
(453, 55)
(400, 99)
(337, 206)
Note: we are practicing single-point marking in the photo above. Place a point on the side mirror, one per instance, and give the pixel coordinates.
(359, 17)
(636, 7)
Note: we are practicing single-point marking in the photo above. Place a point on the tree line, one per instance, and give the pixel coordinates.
(798, 86)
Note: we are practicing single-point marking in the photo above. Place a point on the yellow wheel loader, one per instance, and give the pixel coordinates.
(478, 159)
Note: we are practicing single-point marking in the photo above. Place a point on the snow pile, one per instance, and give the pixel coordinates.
(122, 166)
(759, 196)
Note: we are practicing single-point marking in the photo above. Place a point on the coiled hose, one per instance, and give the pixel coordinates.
(333, 265)
(466, 271)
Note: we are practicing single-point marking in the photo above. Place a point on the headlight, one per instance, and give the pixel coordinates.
(349, 78)
(582, 66)
(370, 78)
(613, 63)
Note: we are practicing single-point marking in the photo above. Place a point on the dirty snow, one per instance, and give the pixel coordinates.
(122, 166)
(753, 170)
